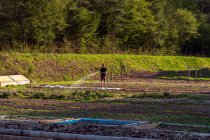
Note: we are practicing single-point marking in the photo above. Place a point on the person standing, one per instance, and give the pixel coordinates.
(103, 71)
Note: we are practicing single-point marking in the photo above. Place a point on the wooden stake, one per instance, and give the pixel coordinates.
(188, 74)
(121, 75)
(111, 75)
(196, 74)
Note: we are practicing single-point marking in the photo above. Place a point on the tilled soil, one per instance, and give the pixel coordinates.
(150, 85)
(143, 106)
(128, 110)
(93, 129)
(172, 110)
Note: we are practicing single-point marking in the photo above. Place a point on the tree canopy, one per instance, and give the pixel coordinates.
(159, 27)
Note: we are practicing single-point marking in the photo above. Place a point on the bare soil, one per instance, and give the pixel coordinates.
(183, 110)
(158, 85)
(93, 129)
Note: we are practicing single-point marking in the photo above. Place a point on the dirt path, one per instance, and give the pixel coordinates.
(158, 85)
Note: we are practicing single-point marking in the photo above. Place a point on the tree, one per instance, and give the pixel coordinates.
(187, 25)
(204, 6)
(47, 18)
(0, 8)
(106, 26)
(159, 9)
(82, 27)
(33, 21)
(139, 25)
(191, 5)
(172, 24)
(110, 26)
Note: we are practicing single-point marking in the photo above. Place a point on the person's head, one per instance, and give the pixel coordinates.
(103, 65)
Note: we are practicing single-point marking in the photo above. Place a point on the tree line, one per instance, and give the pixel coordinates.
(161, 27)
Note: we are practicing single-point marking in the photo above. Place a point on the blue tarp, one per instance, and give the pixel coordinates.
(100, 121)
(69, 121)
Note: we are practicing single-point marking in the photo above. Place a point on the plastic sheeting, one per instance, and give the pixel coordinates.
(102, 121)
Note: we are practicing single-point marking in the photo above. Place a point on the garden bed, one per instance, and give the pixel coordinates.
(92, 128)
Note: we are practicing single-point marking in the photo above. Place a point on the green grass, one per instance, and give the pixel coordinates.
(67, 67)
(11, 87)
(80, 95)
(88, 96)
(91, 96)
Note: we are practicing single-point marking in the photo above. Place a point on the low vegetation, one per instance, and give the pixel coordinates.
(114, 105)
(80, 96)
(92, 96)
(67, 67)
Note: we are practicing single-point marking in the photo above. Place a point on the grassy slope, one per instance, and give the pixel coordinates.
(53, 67)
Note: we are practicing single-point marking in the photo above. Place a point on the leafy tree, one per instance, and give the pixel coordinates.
(191, 5)
(111, 12)
(202, 46)
(107, 26)
(0, 8)
(187, 25)
(175, 26)
(47, 18)
(200, 9)
(204, 6)
(159, 9)
(82, 27)
(199, 46)
(0, 13)
(110, 26)
(33, 21)
(139, 25)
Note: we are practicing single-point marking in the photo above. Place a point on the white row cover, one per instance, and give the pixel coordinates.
(13, 80)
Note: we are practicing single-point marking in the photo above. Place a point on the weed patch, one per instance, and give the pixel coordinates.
(89, 96)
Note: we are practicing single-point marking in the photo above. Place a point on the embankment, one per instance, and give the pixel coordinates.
(61, 67)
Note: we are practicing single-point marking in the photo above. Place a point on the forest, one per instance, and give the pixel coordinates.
(154, 27)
